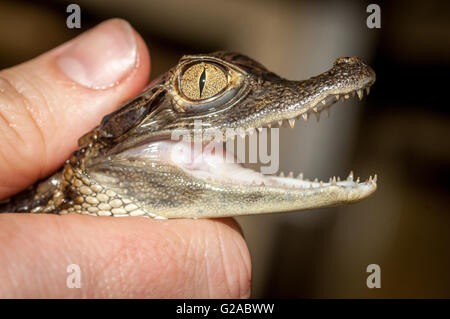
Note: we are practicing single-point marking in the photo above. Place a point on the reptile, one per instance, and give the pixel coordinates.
(129, 165)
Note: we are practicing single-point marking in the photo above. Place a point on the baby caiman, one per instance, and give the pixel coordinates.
(130, 164)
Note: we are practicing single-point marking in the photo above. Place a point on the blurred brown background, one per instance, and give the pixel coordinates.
(400, 131)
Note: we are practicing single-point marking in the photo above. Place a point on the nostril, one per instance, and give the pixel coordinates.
(347, 60)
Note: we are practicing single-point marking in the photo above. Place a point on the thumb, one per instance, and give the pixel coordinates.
(47, 103)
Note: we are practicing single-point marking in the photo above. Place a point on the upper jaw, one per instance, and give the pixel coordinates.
(294, 100)
(275, 103)
(278, 103)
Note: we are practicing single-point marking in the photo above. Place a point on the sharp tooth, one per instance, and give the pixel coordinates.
(305, 116)
(242, 133)
(251, 131)
(321, 183)
(292, 123)
(260, 129)
(375, 179)
(370, 179)
(357, 180)
(337, 97)
(333, 181)
(346, 96)
(360, 94)
(280, 123)
(291, 175)
(324, 102)
(281, 174)
(338, 178)
(316, 180)
(269, 125)
(300, 176)
(368, 90)
(350, 176)
(315, 109)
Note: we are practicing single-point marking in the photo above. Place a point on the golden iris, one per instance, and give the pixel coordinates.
(203, 80)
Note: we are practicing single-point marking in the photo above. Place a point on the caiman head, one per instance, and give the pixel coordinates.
(134, 156)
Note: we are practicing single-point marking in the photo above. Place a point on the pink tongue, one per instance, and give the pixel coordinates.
(187, 155)
(201, 161)
(197, 156)
(212, 163)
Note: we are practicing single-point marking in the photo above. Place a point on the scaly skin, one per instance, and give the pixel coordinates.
(118, 172)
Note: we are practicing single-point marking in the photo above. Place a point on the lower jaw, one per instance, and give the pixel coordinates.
(218, 188)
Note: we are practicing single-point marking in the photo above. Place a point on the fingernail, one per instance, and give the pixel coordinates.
(101, 57)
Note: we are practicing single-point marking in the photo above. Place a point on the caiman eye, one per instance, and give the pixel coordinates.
(202, 81)
(200, 85)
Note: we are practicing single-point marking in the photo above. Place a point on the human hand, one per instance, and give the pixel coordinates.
(46, 104)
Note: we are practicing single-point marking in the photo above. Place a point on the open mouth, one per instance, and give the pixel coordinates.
(209, 161)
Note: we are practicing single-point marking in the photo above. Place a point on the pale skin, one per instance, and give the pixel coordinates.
(45, 105)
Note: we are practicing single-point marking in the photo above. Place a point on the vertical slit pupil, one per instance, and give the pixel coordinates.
(202, 81)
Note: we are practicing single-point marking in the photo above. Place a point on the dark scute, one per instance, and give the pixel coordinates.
(128, 116)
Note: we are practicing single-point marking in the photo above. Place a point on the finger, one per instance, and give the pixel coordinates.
(47, 103)
(122, 258)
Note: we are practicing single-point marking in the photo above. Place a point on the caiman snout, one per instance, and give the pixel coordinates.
(354, 66)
